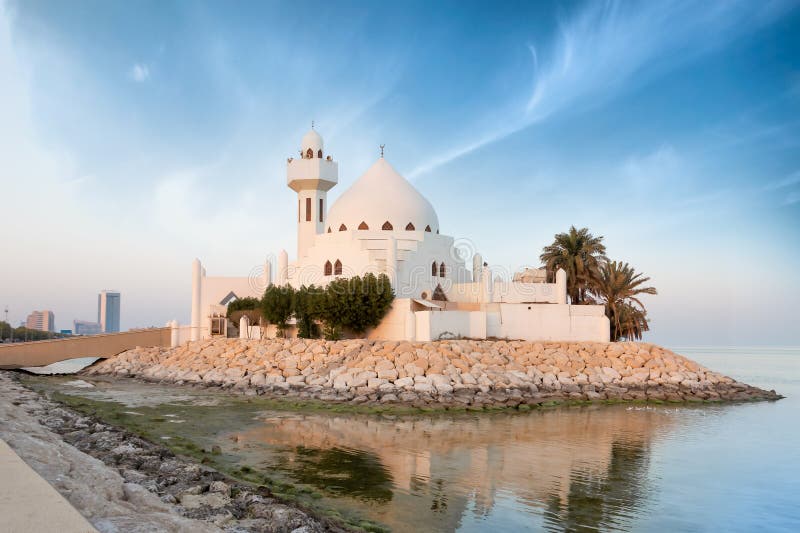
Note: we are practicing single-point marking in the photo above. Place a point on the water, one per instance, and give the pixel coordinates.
(612, 468)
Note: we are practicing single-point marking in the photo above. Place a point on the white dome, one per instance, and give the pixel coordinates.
(312, 140)
(382, 195)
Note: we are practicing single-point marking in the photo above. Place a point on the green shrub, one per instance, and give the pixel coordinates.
(278, 305)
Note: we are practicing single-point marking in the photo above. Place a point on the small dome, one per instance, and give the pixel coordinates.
(312, 140)
(379, 197)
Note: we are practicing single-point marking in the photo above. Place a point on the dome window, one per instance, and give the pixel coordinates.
(387, 226)
(363, 226)
(442, 270)
(434, 269)
(342, 228)
(410, 227)
(309, 154)
(337, 268)
(328, 268)
(428, 229)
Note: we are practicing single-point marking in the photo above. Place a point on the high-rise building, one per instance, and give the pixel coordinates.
(84, 327)
(41, 320)
(108, 311)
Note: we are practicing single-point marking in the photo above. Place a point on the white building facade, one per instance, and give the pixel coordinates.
(41, 320)
(382, 224)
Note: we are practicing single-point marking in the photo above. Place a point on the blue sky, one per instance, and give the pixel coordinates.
(134, 137)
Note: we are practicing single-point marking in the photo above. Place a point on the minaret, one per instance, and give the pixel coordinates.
(311, 177)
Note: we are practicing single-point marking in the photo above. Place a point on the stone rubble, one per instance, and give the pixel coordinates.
(453, 373)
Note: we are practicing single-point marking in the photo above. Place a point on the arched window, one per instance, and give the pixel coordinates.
(434, 269)
(309, 154)
(342, 228)
(387, 226)
(410, 227)
(328, 268)
(428, 229)
(337, 268)
(329, 229)
(442, 270)
(363, 226)
(319, 154)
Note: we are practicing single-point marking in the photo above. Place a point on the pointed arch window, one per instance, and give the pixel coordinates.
(410, 227)
(342, 228)
(309, 154)
(387, 226)
(328, 268)
(329, 229)
(434, 269)
(319, 154)
(442, 270)
(428, 229)
(363, 226)
(337, 268)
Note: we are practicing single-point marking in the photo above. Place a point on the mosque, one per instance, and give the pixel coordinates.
(382, 224)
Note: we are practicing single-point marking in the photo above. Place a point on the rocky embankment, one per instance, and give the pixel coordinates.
(121, 482)
(453, 373)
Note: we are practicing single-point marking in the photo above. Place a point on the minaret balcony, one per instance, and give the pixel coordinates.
(314, 173)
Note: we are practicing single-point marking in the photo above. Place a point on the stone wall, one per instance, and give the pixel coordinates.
(471, 374)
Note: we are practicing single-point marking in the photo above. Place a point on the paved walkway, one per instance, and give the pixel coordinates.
(28, 504)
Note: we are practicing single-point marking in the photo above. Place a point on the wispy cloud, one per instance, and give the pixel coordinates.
(612, 46)
(139, 72)
(788, 181)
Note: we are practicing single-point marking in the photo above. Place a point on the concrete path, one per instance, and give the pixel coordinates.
(29, 504)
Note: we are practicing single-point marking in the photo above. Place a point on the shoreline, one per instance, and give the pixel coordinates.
(440, 375)
(119, 480)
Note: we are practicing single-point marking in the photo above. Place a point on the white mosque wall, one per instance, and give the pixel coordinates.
(395, 325)
(213, 290)
(555, 322)
(368, 251)
(433, 325)
(558, 322)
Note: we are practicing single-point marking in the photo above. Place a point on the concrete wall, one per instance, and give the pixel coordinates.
(431, 325)
(395, 324)
(41, 353)
(559, 322)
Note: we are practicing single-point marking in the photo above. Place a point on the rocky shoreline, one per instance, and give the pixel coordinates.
(121, 482)
(452, 374)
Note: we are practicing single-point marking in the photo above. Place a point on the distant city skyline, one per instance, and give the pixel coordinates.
(136, 138)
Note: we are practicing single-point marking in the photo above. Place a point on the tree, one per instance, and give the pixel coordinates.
(580, 254)
(243, 304)
(619, 286)
(278, 305)
(307, 310)
(357, 304)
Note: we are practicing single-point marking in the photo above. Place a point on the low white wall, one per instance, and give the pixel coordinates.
(431, 325)
(552, 322)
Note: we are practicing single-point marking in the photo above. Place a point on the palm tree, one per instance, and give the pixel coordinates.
(619, 287)
(580, 254)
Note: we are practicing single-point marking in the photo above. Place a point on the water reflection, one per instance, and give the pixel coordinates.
(571, 469)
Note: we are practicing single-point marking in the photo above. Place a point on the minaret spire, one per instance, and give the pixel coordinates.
(382, 147)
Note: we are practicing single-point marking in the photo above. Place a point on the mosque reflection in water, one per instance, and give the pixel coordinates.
(566, 469)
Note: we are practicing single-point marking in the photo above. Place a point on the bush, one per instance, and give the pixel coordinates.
(357, 303)
(243, 304)
(307, 310)
(278, 305)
